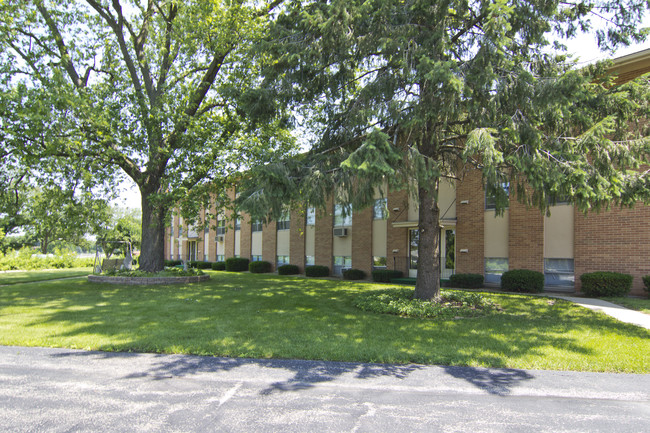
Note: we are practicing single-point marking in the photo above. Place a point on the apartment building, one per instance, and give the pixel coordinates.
(562, 245)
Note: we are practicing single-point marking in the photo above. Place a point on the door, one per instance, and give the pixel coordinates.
(191, 253)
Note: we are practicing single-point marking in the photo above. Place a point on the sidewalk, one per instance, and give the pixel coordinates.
(616, 311)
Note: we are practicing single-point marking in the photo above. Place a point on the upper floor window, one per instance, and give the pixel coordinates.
(342, 215)
(490, 199)
(238, 223)
(284, 223)
(221, 227)
(311, 216)
(380, 209)
(256, 226)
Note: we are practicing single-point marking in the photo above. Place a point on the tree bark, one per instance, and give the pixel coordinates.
(152, 250)
(427, 286)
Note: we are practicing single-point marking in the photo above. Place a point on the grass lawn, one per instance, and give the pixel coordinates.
(267, 316)
(639, 304)
(50, 274)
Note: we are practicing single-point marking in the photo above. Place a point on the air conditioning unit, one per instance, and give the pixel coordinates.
(220, 238)
(340, 232)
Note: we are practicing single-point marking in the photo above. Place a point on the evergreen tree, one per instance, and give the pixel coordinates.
(406, 93)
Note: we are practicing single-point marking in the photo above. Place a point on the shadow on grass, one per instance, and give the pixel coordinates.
(261, 316)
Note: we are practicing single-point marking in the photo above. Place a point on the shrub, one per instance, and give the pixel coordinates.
(646, 282)
(218, 266)
(260, 267)
(522, 280)
(466, 281)
(354, 274)
(385, 275)
(450, 305)
(172, 263)
(236, 264)
(203, 265)
(606, 284)
(288, 270)
(317, 271)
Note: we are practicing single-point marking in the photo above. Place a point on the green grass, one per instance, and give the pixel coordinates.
(268, 316)
(639, 304)
(51, 274)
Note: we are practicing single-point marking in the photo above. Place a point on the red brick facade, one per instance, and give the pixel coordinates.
(397, 238)
(324, 240)
(297, 239)
(470, 214)
(525, 237)
(362, 240)
(617, 240)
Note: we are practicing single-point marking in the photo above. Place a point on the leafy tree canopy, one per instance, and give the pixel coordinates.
(406, 93)
(161, 91)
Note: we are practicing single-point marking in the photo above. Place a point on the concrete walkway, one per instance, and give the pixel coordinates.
(616, 311)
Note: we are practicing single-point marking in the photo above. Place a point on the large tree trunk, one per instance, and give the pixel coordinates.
(427, 286)
(152, 251)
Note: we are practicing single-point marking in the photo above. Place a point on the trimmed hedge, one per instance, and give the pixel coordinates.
(172, 263)
(646, 282)
(317, 271)
(466, 281)
(259, 267)
(522, 280)
(354, 274)
(237, 264)
(385, 275)
(199, 265)
(606, 284)
(218, 266)
(288, 270)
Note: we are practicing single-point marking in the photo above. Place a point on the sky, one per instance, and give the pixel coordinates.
(583, 46)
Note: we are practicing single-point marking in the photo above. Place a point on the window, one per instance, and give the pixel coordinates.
(256, 226)
(379, 262)
(256, 258)
(220, 257)
(494, 267)
(311, 216)
(221, 227)
(559, 272)
(180, 230)
(310, 260)
(491, 198)
(282, 260)
(341, 263)
(238, 223)
(207, 228)
(342, 215)
(284, 223)
(414, 242)
(380, 210)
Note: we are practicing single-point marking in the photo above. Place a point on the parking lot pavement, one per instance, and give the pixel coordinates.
(70, 390)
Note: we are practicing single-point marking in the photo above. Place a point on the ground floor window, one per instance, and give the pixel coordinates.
(310, 260)
(256, 258)
(282, 260)
(414, 241)
(341, 263)
(559, 272)
(220, 258)
(379, 262)
(191, 251)
(494, 267)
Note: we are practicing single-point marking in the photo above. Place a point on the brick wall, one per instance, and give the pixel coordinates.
(469, 225)
(245, 237)
(617, 240)
(269, 241)
(525, 237)
(362, 240)
(229, 248)
(397, 237)
(212, 244)
(323, 235)
(200, 250)
(297, 239)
